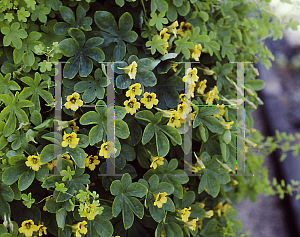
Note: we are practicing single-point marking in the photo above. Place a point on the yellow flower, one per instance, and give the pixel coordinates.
(201, 87)
(53, 163)
(50, 165)
(73, 102)
(185, 189)
(174, 66)
(227, 125)
(234, 182)
(209, 214)
(207, 71)
(165, 36)
(199, 223)
(130, 70)
(131, 105)
(183, 110)
(41, 229)
(174, 120)
(89, 211)
(160, 199)
(107, 149)
(193, 115)
(70, 140)
(221, 209)
(199, 161)
(184, 213)
(73, 126)
(225, 208)
(162, 234)
(191, 224)
(156, 161)
(34, 162)
(91, 162)
(212, 95)
(202, 205)
(134, 90)
(246, 148)
(221, 113)
(149, 100)
(250, 143)
(173, 27)
(28, 227)
(191, 75)
(183, 28)
(184, 99)
(195, 169)
(196, 52)
(80, 228)
(67, 157)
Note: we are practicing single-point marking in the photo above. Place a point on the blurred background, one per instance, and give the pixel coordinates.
(271, 216)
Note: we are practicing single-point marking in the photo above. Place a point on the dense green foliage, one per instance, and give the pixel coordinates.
(150, 194)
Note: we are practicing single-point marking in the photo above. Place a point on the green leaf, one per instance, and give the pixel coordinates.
(228, 49)
(17, 138)
(6, 192)
(145, 115)
(120, 2)
(35, 90)
(161, 5)
(28, 201)
(227, 136)
(213, 124)
(78, 182)
(61, 215)
(13, 35)
(212, 47)
(171, 132)
(40, 12)
(184, 46)
(7, 85)
(78, 155)
(103, 227)
(158, 20)
(13, 173)
(81, 22)
(91, 88)
(212, 178)
(49, 153)
(203, 132)
(257, 84)
(26, 179)
(173, 177)
(82, 52)
(121, 129)
(291, 24)
(148, 133)
(124, 190)
(112, 33)
(167, 90)
(36, 118)
(209, 182)
(134, 128)
(156, 44)
(162, 144)
(25, 53)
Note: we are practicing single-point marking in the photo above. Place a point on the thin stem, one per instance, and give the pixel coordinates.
(105, 200)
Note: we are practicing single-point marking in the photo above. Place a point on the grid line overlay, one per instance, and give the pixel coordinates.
(187, 141)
